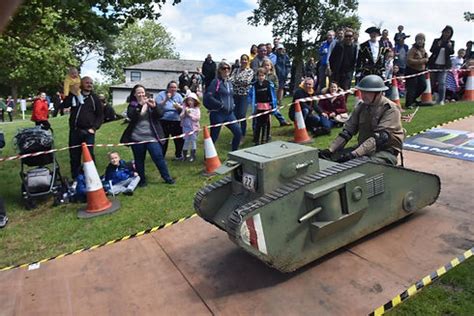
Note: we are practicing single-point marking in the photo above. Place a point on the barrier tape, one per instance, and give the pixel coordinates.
(415, 288)
(406, 118)
(35, 265)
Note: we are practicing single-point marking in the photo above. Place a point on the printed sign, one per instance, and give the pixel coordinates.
(248, 180)
(443, 142)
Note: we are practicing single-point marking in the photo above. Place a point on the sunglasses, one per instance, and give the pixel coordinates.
(348, 36)
(225, 68)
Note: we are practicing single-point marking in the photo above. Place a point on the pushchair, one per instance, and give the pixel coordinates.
(40, 175)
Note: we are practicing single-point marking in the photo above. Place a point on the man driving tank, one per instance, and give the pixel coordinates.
(376, 120)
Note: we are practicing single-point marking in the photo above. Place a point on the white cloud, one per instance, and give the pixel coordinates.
(222, 35)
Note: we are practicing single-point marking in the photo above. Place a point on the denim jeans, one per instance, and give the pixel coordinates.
(313, 120)
(440, 77)
(77, 137)
(240, 111)
(156, 152)
(129, 184)
(221, 117)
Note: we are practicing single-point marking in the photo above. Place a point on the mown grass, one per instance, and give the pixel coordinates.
(452, 294)
(48, 231)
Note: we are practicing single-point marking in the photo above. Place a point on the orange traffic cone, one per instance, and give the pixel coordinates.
(394, 95)
(469, 90)
(301, 134)
(426, 97)
(97, 202)
(212, 161)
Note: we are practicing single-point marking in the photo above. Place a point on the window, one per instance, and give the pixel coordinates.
(135, 76)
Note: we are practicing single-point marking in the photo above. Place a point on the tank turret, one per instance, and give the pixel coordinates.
(287, 207)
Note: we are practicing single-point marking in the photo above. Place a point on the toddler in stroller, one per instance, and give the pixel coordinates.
(40, 174)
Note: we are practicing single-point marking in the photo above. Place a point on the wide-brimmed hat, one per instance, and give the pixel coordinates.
(193, 96)
(373, 29)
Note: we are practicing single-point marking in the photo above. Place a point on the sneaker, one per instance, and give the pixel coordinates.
(180, 158)
(128, 192)
(3, 221)
(441, 103)
(170, 181)
(285, 123)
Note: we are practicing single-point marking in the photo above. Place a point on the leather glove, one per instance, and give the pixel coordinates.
(325, 154)
(343, 157)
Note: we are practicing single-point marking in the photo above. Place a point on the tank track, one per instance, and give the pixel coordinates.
(237, 216)
(206, 190)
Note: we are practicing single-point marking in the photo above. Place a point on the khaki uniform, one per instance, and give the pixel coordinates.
(366, 120)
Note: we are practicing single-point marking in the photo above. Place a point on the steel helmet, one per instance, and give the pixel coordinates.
(372, 83)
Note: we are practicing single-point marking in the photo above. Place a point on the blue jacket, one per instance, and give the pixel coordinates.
(219, 96)
(252, 96)
(282, 66)
(118, 173)
(323, 52)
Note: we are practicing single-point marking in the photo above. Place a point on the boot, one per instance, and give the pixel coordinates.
(193, 155)
(320, 131)
(185, 155)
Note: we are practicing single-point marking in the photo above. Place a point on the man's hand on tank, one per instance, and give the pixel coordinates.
(325, 154)
(343, 157)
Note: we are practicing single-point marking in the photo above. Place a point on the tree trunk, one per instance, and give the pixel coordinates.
(299, 48)
(14, 92)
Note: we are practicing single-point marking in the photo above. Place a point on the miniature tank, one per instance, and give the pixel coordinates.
(287, 207)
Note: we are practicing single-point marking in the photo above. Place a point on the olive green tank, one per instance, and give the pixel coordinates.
(287, 207)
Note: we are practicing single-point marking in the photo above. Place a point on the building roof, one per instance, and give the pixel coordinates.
(178, 65)
(155, 83)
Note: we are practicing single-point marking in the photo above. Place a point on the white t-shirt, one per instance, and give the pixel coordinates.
(374, 47)
(441, 59)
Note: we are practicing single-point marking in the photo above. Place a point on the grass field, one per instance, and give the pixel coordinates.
(48, 231)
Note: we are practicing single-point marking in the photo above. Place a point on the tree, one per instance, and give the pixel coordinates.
(302, 22)
(38, 62)
(469, 16)
(46, 30)
(138, 43)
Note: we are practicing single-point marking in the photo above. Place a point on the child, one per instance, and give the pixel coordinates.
(272, 77)
(401, 82)
(190, 116)
(72, 84)
(334, 108)
(263, 99)
(120, 177)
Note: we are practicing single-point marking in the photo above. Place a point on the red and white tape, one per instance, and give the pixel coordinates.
(314, 98)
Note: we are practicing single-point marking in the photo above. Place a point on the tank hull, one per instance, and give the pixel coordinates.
(320, 212)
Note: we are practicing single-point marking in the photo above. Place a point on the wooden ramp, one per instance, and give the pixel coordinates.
(193, 269)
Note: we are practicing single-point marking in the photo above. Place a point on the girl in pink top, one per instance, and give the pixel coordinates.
(190, 116)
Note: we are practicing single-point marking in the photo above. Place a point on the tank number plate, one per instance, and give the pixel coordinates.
(248, 180)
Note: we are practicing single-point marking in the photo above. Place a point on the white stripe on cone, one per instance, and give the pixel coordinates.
(470, 83)
(300, 120)
(428, 85)
(93, 182)
(209, 148)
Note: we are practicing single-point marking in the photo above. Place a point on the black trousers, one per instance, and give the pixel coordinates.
(77, 137)
(262, 128)
(414, 86)
(173, 128)
(2, 115)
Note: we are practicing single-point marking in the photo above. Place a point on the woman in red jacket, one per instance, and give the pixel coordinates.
(41, 112)
(334, 108)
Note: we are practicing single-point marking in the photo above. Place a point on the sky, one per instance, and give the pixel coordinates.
(220, 27)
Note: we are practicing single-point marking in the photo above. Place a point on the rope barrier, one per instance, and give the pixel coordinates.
(407, 118)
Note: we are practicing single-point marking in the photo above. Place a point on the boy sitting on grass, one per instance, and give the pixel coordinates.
(120, 176)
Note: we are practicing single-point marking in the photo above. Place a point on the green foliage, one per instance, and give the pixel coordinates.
(301, 22)
(46, 36)
(139, 42)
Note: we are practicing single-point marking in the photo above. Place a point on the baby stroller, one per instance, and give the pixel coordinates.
(40, 175)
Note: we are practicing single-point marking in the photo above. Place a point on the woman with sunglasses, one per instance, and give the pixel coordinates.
(219, 100)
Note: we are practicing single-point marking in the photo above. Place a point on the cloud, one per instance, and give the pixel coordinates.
(223, 34)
